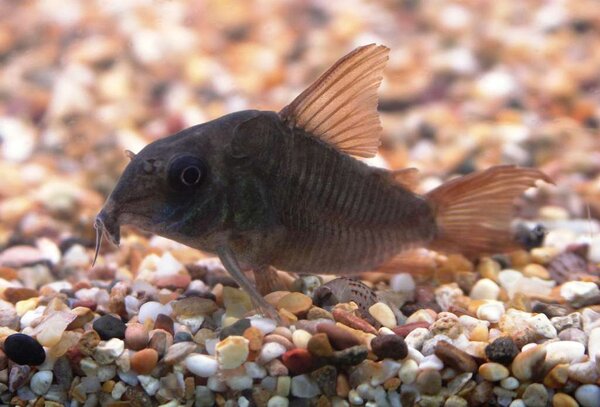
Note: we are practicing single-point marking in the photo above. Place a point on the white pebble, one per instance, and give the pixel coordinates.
(383, 314)
(402, 282)
(588, 395)
(431, 362)
(579, 290)
(216, 384)
(408, 371)
(485, 289)
(232, 351)
(300, 337)
(509, 383)
(254, 370)
(151, 309)
(542, 325)
(564, 352)
(238, 383)
(270, 351)
(417, 337)
(517, 403)
(304, 387)
(594, 344)
(278, 401)
(149, 383)
(40, 382)
(265, 325)
(201, 365)
(491, 311)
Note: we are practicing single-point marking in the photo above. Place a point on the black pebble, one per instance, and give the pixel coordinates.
(236, 328)
(24, 350)
(109, 327)
(389, 346)
(182, 337)
(503, 350)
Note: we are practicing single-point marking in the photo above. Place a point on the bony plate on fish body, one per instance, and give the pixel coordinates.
(264, 189)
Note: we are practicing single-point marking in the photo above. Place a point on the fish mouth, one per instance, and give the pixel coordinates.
(106, 225)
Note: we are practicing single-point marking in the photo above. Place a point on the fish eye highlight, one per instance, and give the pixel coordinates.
(186, 172)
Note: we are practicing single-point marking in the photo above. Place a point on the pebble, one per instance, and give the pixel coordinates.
(296, 303)
(40, 382)
(588, 395)
(535, 395)
(236, 329)
(278, 401)
(136, 336)
(271, 351)
(389, 346)
(528, 363)
(502, 350)
(232, 351)
(594, 343)
(417, 337)
(339, 338)
(491, 311)
(201, 365)
(564, 352)
(326, 379)
(580, 293)
(109, 327)
(572, 320)
(431, 362)
(408, 371)
(454, 357)
(542, 326)
(563, 400)
(266, 325)
(300, 338)
(485, 289)
(144, 361)
(107, 352)
(493, 372)
(383, 314)
(151, 309)
(584, 372)
(24, 350)
(403, 282)
(429, 382)
(304, 387)
(178, 352)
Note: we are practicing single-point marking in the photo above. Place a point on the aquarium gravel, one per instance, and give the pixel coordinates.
(153, 322)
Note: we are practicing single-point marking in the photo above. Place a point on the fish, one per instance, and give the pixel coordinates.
(288, 190)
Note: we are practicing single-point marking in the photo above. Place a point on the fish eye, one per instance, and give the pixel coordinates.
(186, 172)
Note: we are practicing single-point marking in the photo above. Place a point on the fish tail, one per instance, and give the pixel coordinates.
(473, 213)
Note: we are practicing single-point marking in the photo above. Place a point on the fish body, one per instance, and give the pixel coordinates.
(284, 189)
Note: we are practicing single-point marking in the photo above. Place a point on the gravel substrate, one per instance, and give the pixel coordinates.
(468, 85)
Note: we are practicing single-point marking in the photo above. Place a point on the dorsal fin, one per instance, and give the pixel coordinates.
(407, 177)
(340, 107)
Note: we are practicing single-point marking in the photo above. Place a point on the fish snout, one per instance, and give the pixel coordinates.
(107, 224)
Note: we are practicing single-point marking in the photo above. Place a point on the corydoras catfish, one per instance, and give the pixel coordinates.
(284, 190)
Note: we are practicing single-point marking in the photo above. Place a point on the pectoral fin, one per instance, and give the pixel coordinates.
(232, 266)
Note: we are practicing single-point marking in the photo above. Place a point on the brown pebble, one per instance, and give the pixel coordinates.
(557, 377)
(88, 342)
(342, 387)
(160, 341)
(353, 321)
(255, 338)
(404, 330)
(481, 394)
(296, 303)
(144, 361)
(84, 315)
(318, 313)
(338, 337)
(164, 322)
(319, 345)
(429, 382)
(563, 400)
(136, 336)
(178, 352)
(455, 358)
(16, 294)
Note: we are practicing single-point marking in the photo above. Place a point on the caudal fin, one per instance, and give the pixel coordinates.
(474, 212)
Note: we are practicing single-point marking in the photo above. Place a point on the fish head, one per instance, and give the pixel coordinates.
(176, 186)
